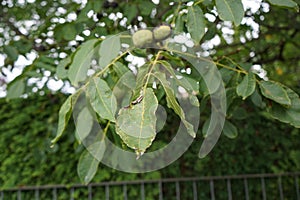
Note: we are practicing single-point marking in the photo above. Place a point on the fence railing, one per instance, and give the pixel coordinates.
(251, 186)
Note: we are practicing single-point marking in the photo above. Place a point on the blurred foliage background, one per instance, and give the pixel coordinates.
(27, 126)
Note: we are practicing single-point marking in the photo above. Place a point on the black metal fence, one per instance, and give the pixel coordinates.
(252, 186)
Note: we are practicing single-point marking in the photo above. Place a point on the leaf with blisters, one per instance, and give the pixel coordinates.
(102, 99)
(230, 10)
(64, 114)
(172, 102)
(230, 130)
(274, 91)
(136, 125)
(84, 123)
(285, 4)
(81, 62)
(109, 49)
(247, 86)
(195, 23)
(89, 161)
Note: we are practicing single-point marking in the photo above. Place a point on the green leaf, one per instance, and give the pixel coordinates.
(61, 69)
(45, 66)
(187, 83)
(195, 23)
(70, 31)
(109, 49)
(290, 115)
(231, 97)
(230, 10)
(247, 86)
(274, 91)
(140, 80)
(211, 79)
(173, 104)
(285, 4)
(179, 24)
(136, 125)
(120, 69)
(130, 11)
(11, 52)
(209, 127)
(64, 114)
(89, 161)
(257, 100)
(102, 99)
(81, 62)
(15, 89)
(84, 124)
(230, 130)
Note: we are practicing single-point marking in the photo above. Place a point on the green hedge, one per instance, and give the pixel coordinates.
(28, 125)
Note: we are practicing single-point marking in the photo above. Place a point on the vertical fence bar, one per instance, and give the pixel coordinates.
(90, 192)
(212, 190)
(177, 190)
(160, 190)
(37, 194)
(297, 187)
(19, 195)
(280, 188)
(107, 192)
(54, 194)
(229, 189)
(72, 193)
(142, 191)
(1, 195)
(263, 188)
(125, 192)
(195, 190)
(246, 188)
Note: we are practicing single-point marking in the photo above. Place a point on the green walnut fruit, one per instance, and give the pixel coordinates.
(162, 32)
(142, 38)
